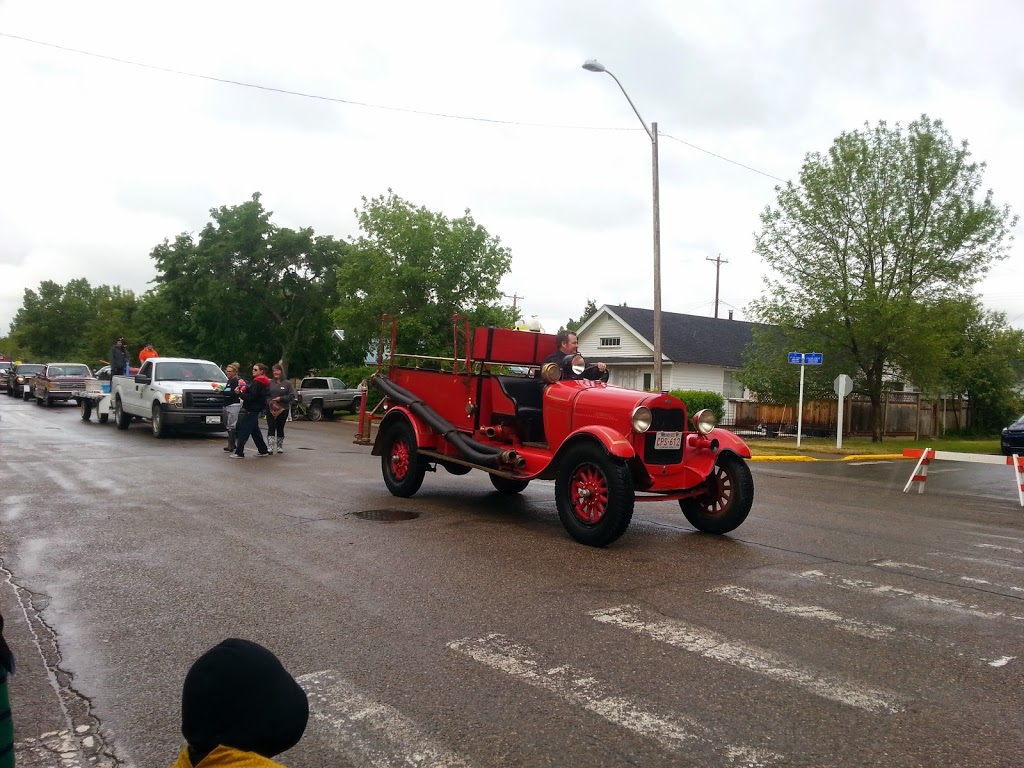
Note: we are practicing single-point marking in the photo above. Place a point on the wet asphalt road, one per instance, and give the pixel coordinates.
(844, 624)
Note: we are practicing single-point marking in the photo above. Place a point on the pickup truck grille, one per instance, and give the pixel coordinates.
(66, 384)
(664, 420)
(204, 400)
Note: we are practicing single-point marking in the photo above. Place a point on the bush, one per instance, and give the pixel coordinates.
(697, 400)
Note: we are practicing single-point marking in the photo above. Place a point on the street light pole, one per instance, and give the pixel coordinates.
(592, 65)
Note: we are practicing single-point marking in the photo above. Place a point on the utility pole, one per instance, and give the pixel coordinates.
(718, 268)
(514, 298)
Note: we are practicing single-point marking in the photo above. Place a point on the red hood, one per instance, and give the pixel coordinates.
(262, 380)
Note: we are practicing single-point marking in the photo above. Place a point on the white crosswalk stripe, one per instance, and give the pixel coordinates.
(671, 730)
(712, 645)
(369, 732)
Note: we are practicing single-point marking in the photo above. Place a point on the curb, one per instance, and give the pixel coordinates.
(857, 457)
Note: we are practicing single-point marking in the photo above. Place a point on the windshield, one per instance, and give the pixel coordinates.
(70, 370)
(22, 369)
(189, 371)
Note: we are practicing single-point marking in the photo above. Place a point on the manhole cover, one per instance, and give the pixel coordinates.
(387, 515)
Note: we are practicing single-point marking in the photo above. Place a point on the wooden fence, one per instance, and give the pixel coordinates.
(906, 414)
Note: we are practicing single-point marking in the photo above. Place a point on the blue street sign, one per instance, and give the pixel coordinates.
(812, 358)
(797, 358)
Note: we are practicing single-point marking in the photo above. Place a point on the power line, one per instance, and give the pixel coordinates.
(368, 105)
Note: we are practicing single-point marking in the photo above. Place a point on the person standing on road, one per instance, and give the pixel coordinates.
(239, 707)
(254, 402)
(118, 358)
(6, 722)
(280, 399)
(147, 352)
(232, 404)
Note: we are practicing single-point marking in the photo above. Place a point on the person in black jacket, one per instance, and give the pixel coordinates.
(118, 358)
(567, 344)
(232, 404)
(254, 402)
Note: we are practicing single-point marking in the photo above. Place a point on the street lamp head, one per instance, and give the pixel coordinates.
(593, 65)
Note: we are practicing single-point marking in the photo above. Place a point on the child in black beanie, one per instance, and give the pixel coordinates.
(239, 708)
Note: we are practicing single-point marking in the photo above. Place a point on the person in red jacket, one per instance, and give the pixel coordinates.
(254, 402)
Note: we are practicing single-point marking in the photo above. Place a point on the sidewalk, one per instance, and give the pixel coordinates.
(798, 455)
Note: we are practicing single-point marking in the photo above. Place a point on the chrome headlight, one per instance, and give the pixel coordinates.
(174, 400)
(550, 372)
(642, 418)
(579, 365)
(704, 421)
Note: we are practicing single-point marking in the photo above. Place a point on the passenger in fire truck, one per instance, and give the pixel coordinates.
(566, 346)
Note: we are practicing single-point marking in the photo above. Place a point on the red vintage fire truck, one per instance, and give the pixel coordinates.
(497, 408)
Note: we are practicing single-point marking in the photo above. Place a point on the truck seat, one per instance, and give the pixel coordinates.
(528, 397)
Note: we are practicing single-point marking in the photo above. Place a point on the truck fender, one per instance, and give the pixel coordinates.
(610, 440)
(424, 435)
(700, 458)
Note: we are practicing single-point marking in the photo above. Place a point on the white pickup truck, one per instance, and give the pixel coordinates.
(172, 392)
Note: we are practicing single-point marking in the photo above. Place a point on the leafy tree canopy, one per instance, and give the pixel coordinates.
(422, 268)
(866, 249)
(247, 289)
(588, 311)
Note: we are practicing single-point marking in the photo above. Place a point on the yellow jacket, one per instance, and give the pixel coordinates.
(226, 757)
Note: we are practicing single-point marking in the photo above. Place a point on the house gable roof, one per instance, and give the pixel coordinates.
(686, 338)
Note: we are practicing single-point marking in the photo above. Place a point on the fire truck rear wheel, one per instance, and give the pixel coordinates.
(730, 494)
(594, 495)
(402, 466)
(508, 486)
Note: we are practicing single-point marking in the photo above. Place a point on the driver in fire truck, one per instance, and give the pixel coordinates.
(567, 344)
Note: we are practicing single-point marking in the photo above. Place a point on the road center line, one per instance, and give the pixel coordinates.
(714, 646)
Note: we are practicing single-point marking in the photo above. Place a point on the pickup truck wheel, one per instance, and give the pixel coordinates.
(158, 423)
(402, 466)
(315, 412)
(728, 498)
(85, 407)
(48, 401)
(594, 495)
(103, 418)
(123, 419)
(354, 408)
(507, 486)
(26, 394)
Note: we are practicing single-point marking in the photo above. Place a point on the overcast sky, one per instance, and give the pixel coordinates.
(103, 160)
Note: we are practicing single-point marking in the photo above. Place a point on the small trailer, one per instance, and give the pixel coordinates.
(95, 398)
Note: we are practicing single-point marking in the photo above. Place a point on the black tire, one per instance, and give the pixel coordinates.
(122, 419)
(158, 422)
(507, 486)
(315, 412)
(594, 495)
(727, 502)
(402, 466)
(103, 418)
(48, 401)
(85, 408)
(26, 395)
(455, 469)
(354, 408)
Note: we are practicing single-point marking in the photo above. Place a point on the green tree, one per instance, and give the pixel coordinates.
(867, 246)
(588, 311)
(247, 289)
(423, 268)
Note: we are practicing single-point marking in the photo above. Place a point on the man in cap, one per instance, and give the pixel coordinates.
(147, 352)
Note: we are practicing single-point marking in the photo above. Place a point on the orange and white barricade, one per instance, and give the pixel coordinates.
(928, 455)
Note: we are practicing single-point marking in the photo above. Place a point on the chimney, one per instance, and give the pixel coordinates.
(730, 314)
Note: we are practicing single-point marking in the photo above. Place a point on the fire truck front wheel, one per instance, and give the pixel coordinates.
(727, 500)
(594, 495)
(401, 464)
(508, 486)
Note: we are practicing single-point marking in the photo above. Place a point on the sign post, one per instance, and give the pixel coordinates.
(843, 386)
(802, 359)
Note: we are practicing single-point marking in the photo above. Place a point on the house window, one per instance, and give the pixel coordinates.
(647, 382)
(732, 389)
(611, 341)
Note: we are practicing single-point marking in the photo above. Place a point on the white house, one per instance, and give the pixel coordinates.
(702, 353)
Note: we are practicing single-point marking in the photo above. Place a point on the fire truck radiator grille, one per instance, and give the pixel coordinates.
(664, 420)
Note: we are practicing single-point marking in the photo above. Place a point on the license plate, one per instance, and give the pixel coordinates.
(668, 441)
(213, 419)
